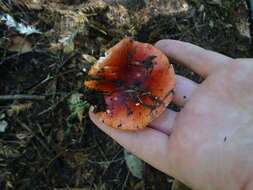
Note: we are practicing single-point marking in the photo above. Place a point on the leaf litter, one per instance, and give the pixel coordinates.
(42, 147)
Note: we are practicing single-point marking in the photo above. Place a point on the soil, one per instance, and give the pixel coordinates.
(49, 142)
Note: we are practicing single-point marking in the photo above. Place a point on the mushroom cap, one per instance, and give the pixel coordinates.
(137, 81)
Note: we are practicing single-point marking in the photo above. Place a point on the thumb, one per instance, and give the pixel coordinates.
(149, 144)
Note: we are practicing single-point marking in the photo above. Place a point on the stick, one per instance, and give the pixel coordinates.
(22, 97)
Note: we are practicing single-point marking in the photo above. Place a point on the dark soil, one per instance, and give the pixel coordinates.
(46, 145)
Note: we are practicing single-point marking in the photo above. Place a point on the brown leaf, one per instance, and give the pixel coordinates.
(19, 44)
(18, 108)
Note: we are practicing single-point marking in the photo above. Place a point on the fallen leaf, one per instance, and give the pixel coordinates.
(19, 27)
(89, 58)
(242, 20)
(134, 164)
(19, 44)
(18, 108)
(3, 126)
(66, 44)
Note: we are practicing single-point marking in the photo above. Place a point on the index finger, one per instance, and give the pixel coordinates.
(198, 59)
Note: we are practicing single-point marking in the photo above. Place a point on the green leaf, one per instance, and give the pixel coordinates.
(77, 106)
(134, 164)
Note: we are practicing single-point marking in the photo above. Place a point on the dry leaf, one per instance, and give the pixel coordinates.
(72, 21)
(18, 108)
(89, 59)
(242, 21)
(19, 44)
(19, 27)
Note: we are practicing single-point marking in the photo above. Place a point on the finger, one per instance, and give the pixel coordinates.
(164, 122)
(148, 144)
(200, 60)
(183, 91)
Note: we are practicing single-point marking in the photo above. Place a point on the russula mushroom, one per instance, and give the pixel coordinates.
(136, 81)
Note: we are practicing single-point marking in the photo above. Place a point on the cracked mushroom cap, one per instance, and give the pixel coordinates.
(136, 81)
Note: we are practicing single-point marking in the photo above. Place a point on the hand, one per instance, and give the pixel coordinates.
(209, 144)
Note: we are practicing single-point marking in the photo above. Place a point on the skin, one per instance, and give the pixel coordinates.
(208, 145)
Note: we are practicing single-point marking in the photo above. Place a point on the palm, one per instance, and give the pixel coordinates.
(215, 117)
(204, 144)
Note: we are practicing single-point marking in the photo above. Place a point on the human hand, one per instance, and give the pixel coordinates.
(208, 145)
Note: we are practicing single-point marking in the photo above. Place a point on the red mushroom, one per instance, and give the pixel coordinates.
(136, 81)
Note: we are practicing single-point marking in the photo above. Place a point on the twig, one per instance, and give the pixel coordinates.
(42, 143)
(22, 97)
(51, 108)
(113, 160)
(56, 157)
(99, 148)
(64, 62)
(39, 83)
(16, 55)
(125, 181)
(105, 162)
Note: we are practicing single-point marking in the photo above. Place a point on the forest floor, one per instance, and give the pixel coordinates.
(46, 138)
